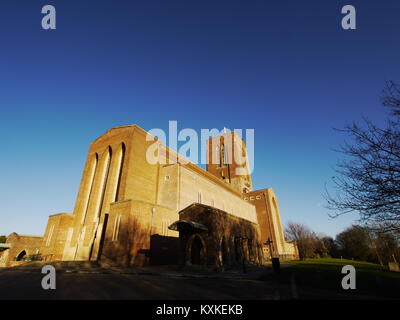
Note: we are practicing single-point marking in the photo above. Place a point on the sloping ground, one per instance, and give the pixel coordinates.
(313, 279)
(314, 275)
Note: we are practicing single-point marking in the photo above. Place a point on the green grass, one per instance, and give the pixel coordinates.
(325, 274)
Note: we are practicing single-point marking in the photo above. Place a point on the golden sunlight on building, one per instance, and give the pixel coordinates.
(130, 212)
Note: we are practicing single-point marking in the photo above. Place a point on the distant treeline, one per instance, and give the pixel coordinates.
(356, 242)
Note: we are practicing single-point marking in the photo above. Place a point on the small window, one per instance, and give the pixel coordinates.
(218, 157)
(167, 178)
(82, 234)
(225, 156)
(251, 198)
(116, 228)
(246, 199)
(222, 156)
(258, 197)
(48, 241)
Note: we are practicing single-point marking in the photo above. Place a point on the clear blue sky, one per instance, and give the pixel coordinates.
(284, 68)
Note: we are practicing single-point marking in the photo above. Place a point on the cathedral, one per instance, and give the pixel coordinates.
(133, 212)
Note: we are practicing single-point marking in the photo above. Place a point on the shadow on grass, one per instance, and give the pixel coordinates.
(325, 274)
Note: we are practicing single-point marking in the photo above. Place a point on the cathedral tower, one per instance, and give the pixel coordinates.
(228, 160)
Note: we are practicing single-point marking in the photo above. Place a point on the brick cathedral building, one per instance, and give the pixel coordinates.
(130, 211)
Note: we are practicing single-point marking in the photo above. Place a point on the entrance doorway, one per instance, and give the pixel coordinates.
(196, 251)
(224, 252)
(238, 250)
(21, 256)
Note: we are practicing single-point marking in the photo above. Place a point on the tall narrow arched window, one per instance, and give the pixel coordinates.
(278, 217)
(222, 156)
(105, 180)
(225, 156)
(93, 171)
(49, 236)
(120, 169)
(117, 223)
(218, 156)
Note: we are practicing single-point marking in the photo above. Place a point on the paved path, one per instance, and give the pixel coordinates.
(87, 282)
(27, 285)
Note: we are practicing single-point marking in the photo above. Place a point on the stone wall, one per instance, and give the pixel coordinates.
(228, 241)
(58, 233)
(22, 247)
(137, 234)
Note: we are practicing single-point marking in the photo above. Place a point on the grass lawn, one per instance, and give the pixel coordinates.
(325, 274)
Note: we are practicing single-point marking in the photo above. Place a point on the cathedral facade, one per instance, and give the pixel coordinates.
(134, 212)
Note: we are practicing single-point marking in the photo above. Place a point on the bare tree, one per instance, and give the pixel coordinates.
(3, 239)
(330, 246)
(368, 179)
(304, 238)
(386, 245)
(391, 97)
